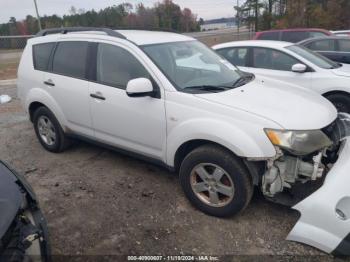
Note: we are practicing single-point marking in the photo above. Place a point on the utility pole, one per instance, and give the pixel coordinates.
(256, 15)
(238, 18)
(37, 15)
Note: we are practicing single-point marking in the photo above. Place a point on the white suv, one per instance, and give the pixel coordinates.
(168, 98)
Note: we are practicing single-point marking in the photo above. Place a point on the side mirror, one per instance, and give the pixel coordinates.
(299, 68)
(139, 87)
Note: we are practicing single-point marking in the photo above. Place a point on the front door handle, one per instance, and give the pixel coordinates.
(49, 82)
(98, 95)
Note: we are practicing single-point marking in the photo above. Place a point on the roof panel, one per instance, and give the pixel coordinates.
(142, 37)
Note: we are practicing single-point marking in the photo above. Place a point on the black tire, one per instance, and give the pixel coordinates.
(61, 142)
(234, 168)
(341, 102)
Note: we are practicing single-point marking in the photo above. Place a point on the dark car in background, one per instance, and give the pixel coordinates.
(335, 48)
(291, 35)
(23, 230)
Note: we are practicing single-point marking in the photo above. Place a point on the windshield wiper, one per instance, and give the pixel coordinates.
(243, 80)
(209, 88)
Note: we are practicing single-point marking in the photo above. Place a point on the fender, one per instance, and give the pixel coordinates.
(41, 96)
(253, 144)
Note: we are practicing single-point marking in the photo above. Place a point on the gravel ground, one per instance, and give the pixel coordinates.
(98, 202)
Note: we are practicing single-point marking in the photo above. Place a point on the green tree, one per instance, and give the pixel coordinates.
(164, 14)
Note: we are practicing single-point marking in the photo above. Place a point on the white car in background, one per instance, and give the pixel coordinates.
(341, 33)
(293, 64)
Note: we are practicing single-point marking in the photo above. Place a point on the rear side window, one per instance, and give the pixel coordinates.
(116, 66)
(269, 36)
(294, 37)
(236, 56)
(70, 59)
(344, 45)
(41, 55)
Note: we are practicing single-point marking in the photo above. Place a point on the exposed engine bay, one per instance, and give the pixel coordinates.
(287, 170)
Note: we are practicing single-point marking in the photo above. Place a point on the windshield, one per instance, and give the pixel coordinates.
(313, 57)
(192, 65)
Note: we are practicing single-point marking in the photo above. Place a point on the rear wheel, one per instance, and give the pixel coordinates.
(49, 131)
(341, 102)
(215, 181)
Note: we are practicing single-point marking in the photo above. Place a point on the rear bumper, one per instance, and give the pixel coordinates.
(325, 215)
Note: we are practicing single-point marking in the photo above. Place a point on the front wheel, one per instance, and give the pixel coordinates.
(215, 181)
(341, 102)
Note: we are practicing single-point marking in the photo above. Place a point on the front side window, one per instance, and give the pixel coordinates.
(344, 45)
(272, 59)
(70, 59)
(236, 56)
(41, 55)
(313, 57)
(191, 65)
(323, 45)
(116, 66)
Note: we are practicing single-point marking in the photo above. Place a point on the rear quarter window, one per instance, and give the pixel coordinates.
(317, 34)
(41, 55)
(344, 45)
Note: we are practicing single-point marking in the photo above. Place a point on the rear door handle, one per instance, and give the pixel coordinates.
(98, 95)
(49, 82)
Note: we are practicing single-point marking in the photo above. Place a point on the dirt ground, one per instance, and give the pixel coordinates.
(98, 202)
(8, 70)
(9, 60)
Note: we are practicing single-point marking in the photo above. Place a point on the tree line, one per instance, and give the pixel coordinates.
(269, 14)
(163, 15)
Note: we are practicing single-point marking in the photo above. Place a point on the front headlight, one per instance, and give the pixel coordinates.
(299, 142)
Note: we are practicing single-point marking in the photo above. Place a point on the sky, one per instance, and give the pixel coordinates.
(207, 9)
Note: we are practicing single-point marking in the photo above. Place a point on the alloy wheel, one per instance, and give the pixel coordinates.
(212, 185)
(46, 130)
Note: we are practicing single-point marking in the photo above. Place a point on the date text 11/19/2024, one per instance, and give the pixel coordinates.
(173, 258)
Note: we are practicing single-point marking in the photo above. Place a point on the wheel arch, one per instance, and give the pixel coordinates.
(33, 107)
(189, 146)
(38, 97)
(334, 92)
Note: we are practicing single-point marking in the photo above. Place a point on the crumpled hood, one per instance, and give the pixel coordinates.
(290, 106)
(342, 71)
(10, 198)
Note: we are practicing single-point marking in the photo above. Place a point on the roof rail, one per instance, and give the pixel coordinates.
(65, 30)
(147, 28)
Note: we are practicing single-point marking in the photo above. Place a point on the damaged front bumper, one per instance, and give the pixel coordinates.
(325, 215)
(23, 228)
